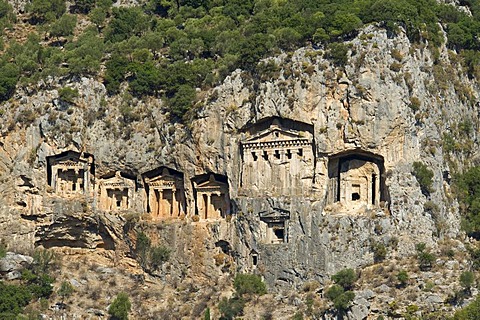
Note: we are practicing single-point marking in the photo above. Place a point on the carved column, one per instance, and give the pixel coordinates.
(174, 203)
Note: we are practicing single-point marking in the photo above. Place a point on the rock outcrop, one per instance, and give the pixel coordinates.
(316, 163)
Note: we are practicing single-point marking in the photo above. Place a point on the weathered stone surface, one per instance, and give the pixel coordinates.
(14, 262)
(288, 229)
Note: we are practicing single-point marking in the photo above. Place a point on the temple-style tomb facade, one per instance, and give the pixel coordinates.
(356, 179)
(165, 193)
(211, 196)
(71, 173)
(277, 159)
(116, 191)
(275, 225)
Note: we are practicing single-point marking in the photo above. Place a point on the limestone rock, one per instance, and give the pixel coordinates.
(14, 262)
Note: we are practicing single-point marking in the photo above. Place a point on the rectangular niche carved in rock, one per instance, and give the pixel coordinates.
(117, 191)
(71, 173)
(211, 196)
(282, 151)
(356, 181)
(165, 193)
(275, 225)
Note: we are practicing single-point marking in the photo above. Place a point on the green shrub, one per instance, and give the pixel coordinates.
(341, 299)
(43, 261)
(402, 277)
(13, 299)
(468, 192)
(64, 26)
(334, 291)
(181, 101)
(345, 278)
(65, 290)
(470, 312)
(424, 256)
(39, 285)
(46, 10)
(120, 307)
(3, 250)
(379, 251)
(424, 177)
(9, 74)
(337, 52)
(415, 104)
(230, 308)
(158, 255)
(83, 6)
(249, 284)
(126, 22)
(150, 257)
(467, 279)
(67, 94)
(297, 316)
(142, 246)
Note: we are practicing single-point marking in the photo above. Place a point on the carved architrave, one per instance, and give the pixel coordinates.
(283, 156)
(166, 195)
(116, 193)
(69, 173)
(212, 199)
(276, 224)
(276, 215)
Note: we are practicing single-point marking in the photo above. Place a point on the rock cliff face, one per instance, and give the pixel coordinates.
(317, 158)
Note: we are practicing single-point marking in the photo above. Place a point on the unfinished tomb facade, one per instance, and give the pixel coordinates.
(71, 173)
(274, 226)
(356, 180)
(277, 158)
(116, 191)
(212, 198)
(165, 193)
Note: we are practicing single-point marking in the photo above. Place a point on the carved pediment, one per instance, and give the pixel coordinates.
(70, 159)
(164, 181)
(117, 182)
(275, 215)
(212, 185)
(273, 134)
(276, 137)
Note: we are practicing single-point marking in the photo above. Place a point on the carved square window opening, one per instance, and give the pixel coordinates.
(277, 231)
(265, 155)
(289, 154)
(277, 154)
(356, 192)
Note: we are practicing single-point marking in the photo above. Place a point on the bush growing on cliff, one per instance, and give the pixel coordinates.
(249, 284)
(120, 307)
(345, 278)
(230, 308)
(3, 250)
(340, 293)
(246, 286)
(467, 280)
(470, 312)
(402, 277)
(13, 299)
(468, 192)
(150, 257)
(424, 256)
(341, 299)
(46, 10)
(424, 177)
